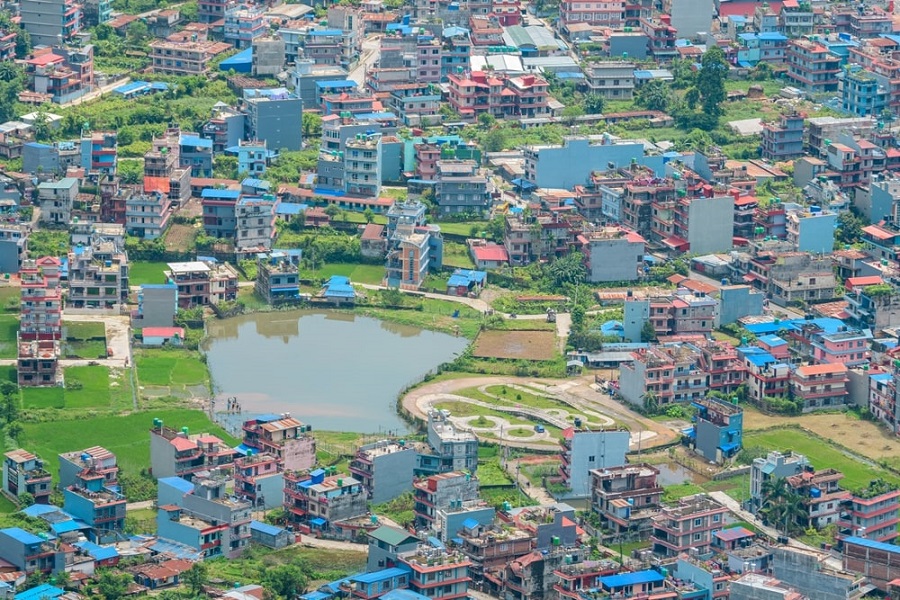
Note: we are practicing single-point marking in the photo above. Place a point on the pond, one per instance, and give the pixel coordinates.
(335, 371)
(671, 473)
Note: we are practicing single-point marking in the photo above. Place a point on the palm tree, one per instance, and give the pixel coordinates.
(8, 71)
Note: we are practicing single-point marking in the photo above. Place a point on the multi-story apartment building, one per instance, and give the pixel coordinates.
(413, 248)
(478, 92)
(40, 325)
(625, 498)
(490, 548)
(822, 386)
(284, 437)
(258, 479)
(94, 461)
(661, 37)
(162, 171)
(91, 499)
(863, 93)
(583, 450)
(612, 254)
(278, 275)
(31, 553)
(177, 454)
(441, 491)
(453, 449)
(821, 496)
(811, 67)
(605, 13)
(766, 375)
(460, 188)
(772, 467)
(873, 513)
(147, 214)
(362, 165)
(243, 24)
(98, 152)
(57, 200)
(184, 58)
(195, 153)
(717, 434)
(685, 311)
(316, 501)
(254, 218)
(847, 346)
(437, 572)
(689, 525)
(664, 374)
(611, 80)
(275, 117)
(49, 22)
(201, 283)
(783, 140)
(385, 468)
(98, 275)
(25, 473)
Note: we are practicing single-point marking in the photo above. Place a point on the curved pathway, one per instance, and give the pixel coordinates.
(578, 393)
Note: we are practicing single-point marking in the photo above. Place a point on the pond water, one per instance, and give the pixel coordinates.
(671, 473)
(335, 371)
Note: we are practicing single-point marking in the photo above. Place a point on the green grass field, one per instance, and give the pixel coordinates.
(9, 326)
(9, 298)
(128, 436)
(372, 274)
(8, 374)
(43, 397)
(462, 227)
(80, 331)
(146, 272)
(857, 475)
(170, 367)
(87, 387)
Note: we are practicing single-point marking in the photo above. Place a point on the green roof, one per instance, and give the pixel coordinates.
(392, 536)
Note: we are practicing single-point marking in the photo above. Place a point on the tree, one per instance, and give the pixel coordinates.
(849, 228)
(569, 270)
(285, 581)
(225, 167)
(196, 577)
(41, 125)
(368, 215)
(332, 210)
(137, 32)
(312, 125)
(577, 315)
(711, 81)
(8, 71)
(112, 585)
(648, 333)
(486, 120)
(651, 402)
(104, 32)
(654, 95)
(593, 104)
(25, 499)
(494, 140)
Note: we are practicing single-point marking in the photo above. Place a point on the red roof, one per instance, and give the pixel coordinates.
(828, 369)
(877, 232)
(745, 7)
(157, 184)
(181, 444)
(164, 332)
(745, 200)
(45, 59)
(493, 252)
(864, 281)
(372, 231)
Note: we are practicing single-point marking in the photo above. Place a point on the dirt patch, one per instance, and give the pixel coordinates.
(180, 238)
(528, 345)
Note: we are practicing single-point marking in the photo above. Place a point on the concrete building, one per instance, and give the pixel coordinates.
(625, 497)
(611, 80)
(737, 302)
(386, 544)
(820, 386)
(57, 200)
(184, 58)
(783, 140)
(275, 117)
(385, 469)
(255, 223)
(811, 67)
(460, 188)
(157, 305)
(284, 437)
(243, 24)
(258, 479)
(147, 214)
(91, 499)
(691, 18)
(95, 460)
(612, 254)
(177, 454)
(23, 472)
(323, 503)
(879, 562)
(98, 152)
(812, 230)
(453, 449)
(195, 153)
(413, 247)
(13, 246)
(585, 450)
(278, 275)
(872, 513)
(362, 165)
(31, 553)
(200, 283)
(49, 22)
(718, 431)
(437, 492)
(436, 572)
(687, 525)
(685, 311)
(40, 324)
(98, 276)
(563, 167)
(774, 466)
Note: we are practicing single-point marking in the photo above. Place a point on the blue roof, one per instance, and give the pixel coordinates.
(403, 595)
(36, 510)
(290, 208)
(374, 116)
(315, 596)
(380, 575)
(730, 447)
(338, 286)
(336, 84)
(872, 544)
(882, 377)
(317, 521)
(454, 31)
(470, 524)
(638, 577)
(325, 32)
(772, 340)
(265, 528)
(98, 552)
(220, 194)
(69, 525)
(240, 62)
(41, 592)
(464, 277)
(131, 87)
(256, 183)
(772, 36)
(22, 536)
(158, 286)
(569, 75)
(175, 549)
(182, 485)
(159, 86)
(195, 140)
(760, 359)
(436, 543)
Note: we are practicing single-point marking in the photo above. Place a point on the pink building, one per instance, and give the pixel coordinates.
(285, 438)
(774, 345)
(820, 386)
(848, 346)
(689, 524)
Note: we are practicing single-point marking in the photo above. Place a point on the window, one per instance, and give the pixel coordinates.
(591, 458)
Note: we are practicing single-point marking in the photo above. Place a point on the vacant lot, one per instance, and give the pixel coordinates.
(9, 326)
(9, 298)
(528, 345)
(84, 340)
(43, 397)
(862, 437)
(87, 387)
(128, 436)
(179, 373)
(146, 272)
(180, 237)
(821, 454)
(94, 388)
(373, 274)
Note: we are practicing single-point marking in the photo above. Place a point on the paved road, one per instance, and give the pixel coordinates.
(371, 52)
